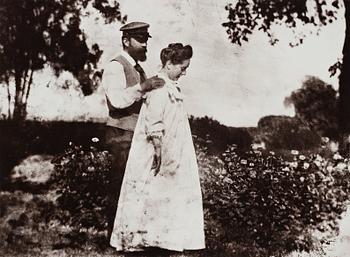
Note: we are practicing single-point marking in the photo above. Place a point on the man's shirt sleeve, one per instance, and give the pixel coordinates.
(114, 84)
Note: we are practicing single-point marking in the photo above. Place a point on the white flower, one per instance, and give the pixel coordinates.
(341, 166)
(325, 139)
(223, 172)
(257, 152)
(306, 165)
(337, 156)
(233, 147)
(253, 173)
(293, 164)
(244, 161)
(95, 139)
(302, 157)
(286, 169)
(302, 179)
(329, 168)
(319, 158)
(318, 163)
(295, 152)
(228, 180)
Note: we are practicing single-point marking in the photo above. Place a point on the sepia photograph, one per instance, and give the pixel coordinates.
(177, 128)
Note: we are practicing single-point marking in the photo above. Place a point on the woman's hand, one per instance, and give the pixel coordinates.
(157, 157)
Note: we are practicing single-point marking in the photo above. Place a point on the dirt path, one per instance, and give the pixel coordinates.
(339, 246)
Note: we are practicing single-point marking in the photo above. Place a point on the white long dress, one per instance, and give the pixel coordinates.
(165, 210)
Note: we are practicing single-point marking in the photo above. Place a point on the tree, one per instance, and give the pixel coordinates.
(247, 15)
(315, 103)
(37, 33)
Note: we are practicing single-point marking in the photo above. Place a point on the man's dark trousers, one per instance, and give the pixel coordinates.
(118, 142)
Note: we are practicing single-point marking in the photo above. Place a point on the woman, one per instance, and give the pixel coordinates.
(160, 203)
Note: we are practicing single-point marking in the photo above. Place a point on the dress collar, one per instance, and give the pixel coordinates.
(173, 87)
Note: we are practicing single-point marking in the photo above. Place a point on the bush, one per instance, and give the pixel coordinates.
(283, 132)
(217, 137)
(262, 200)
(81, 176)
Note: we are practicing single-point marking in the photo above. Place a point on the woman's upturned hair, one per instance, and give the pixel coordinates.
(176, 53)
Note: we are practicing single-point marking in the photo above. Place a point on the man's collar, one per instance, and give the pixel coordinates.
(128, 58)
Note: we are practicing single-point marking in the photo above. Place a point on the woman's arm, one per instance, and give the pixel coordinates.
(154, 125)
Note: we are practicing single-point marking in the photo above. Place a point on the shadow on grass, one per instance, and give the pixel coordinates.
(35, 137)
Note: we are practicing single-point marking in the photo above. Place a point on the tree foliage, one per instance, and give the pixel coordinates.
(316, 104)
(36, 33)
(248, 15)
(245, 16)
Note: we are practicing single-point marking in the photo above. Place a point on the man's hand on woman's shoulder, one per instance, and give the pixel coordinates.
(152, 83)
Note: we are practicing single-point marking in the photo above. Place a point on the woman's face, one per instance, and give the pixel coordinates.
(175, 71)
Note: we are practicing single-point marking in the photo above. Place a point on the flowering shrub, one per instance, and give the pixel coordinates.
(81, 177)
(253, 200)
(260, 199)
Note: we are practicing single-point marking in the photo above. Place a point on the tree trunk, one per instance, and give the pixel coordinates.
(8, 99)
(19, 110)
(344, 83)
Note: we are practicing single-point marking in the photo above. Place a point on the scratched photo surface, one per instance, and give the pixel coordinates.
(262, 108)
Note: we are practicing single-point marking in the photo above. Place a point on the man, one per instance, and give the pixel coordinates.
(125, 82)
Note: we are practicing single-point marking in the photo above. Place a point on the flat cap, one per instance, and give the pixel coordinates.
(135, 28)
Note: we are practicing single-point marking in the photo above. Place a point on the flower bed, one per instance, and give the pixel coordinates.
(258, 198)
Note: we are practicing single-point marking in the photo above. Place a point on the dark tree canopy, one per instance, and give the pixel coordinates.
(36, 33)
(315, 103)
(246, 16)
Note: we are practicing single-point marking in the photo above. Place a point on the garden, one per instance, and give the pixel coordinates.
(257, 202)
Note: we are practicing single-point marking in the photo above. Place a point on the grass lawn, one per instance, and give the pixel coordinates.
(43, 252)
(28, 228)
(31, 224)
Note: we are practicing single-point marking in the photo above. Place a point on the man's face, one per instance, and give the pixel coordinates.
(137, 48)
